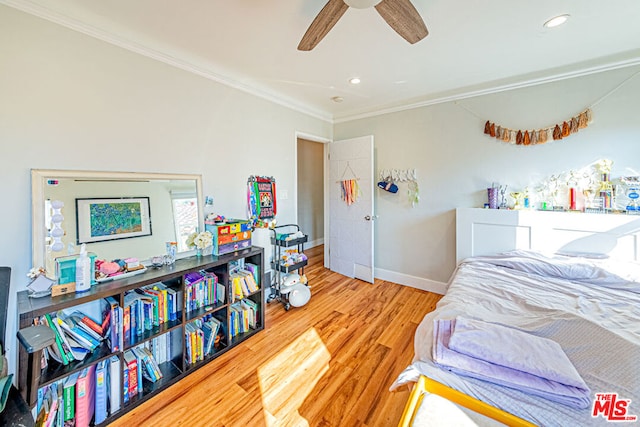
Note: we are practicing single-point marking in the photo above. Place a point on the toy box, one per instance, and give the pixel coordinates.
(231, 226)
(231, 247)
(229, 236)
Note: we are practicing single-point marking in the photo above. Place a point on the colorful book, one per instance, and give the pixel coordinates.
(101, 391)
(60, 349)
(52, 404)
(78, 335)
(131, 363)
(126, 323)
(85, 396)
(92, 324)
(154, 363)
(69, 394)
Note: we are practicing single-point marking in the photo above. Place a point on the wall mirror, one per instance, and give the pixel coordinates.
(117, 214)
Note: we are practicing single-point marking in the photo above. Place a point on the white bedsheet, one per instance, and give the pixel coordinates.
(598, 326)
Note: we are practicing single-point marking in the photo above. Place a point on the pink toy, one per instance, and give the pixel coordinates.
(109, 268)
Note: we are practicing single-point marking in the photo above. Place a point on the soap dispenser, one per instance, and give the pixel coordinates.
(83, 270)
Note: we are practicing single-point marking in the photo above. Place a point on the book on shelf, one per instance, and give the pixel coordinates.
(80, 323)
(131, 364)
(125, 383)
(171, 301)
(51, 406)
(210, 331)
(155, 365)
(69, 397)
(73, 331)
(139, 369)
(202, 289)
(59, 421)
(254, 269)
(85, 396)
(114, 384)
(126, 323)
(149, 367)
(243, 315)
(113, 310)
(89, 322)
(101, 391)
(59, 349)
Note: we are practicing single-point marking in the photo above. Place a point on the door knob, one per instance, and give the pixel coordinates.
(370, 217)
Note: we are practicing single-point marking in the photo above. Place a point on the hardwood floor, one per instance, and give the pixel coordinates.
(328, 364)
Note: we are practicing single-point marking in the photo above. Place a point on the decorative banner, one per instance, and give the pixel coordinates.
(539, 136)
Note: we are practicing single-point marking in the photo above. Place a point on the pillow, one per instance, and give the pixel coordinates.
(588, 255)
(623, 275)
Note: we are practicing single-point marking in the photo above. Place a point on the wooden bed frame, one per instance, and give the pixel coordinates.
(488, 231)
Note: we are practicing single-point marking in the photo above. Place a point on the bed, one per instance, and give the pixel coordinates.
(589, 306)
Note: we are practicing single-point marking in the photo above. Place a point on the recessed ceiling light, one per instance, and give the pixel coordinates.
(354, 81)
(337, 99)
(556, 20)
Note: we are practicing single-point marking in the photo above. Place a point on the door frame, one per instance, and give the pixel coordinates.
(325, 170)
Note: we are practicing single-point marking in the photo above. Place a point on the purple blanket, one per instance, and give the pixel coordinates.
(508, 357)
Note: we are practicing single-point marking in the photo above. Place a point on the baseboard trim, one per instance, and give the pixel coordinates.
(314, 243)
(412, 281)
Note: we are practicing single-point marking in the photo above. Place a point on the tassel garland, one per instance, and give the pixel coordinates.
(539, 136)
(350, 190)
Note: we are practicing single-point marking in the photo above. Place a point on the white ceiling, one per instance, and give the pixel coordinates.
(473, 47)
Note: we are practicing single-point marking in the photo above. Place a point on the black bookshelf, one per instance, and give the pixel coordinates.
(174, 369)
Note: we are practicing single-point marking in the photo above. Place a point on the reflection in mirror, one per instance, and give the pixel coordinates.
(117, 214)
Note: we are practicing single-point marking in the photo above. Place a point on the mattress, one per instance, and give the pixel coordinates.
(590, 307)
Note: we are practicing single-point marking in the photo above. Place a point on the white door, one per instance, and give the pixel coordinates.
(351, 226)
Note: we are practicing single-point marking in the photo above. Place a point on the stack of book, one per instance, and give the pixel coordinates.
(139, 364)
(148, 307)
(202, 289)
(90, 394)
(244, 316)
(243, 284)
(203, 337)
(76, 334)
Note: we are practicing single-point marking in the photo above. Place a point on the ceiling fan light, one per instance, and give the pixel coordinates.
(556, 21)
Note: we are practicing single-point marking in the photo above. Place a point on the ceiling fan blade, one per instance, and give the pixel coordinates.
(326, 19)
(403, 17)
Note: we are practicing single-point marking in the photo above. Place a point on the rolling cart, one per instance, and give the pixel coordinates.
(288, 265)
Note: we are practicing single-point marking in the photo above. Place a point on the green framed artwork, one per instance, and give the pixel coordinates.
(99, 220)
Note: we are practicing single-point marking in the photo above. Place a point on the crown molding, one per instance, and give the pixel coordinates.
(490, 90)
(73, 24)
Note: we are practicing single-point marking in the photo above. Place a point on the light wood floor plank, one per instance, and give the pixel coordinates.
(327, 364)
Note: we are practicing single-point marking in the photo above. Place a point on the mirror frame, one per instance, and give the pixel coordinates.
(39, 177)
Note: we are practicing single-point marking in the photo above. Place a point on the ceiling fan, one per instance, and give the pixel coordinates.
(401, 15)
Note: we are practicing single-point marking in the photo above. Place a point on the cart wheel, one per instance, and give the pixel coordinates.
(287, 306)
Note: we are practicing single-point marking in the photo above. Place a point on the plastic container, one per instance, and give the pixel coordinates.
(83, 270)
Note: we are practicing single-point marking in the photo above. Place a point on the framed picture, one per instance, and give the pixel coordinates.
(99, 220)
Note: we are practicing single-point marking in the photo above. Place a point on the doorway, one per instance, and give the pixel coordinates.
(310, 190)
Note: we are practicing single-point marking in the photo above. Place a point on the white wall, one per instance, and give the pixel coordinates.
(68, 101)
(456, 162)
